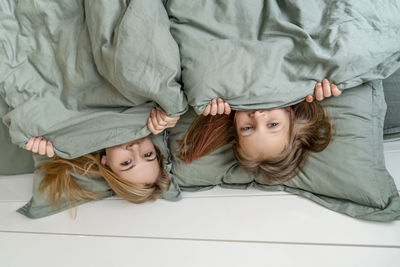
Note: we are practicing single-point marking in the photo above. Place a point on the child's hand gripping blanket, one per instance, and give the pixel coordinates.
(86, 76)
(349, 176)
(259, 55)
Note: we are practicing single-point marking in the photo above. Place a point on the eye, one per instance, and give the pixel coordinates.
(274, 124)
(126, 163)
(247, 128)
(148, 154)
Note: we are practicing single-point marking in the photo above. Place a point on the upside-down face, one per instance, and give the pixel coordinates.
(135, 161)
(263, 134)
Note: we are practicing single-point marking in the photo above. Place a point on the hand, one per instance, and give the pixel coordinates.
(323, 90)
(41, 146)
(158, 121)
(217, 107)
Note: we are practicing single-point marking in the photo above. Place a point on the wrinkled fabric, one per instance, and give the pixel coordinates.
(85, 75)
(270, 53)
(349, 176)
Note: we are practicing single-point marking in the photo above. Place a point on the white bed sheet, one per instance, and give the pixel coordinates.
(219, 227)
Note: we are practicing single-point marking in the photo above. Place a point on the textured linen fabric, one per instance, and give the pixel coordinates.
(85, 74)
(349, 176)
(40, 206)
(391, 87)
(270, 53)
(13, 160)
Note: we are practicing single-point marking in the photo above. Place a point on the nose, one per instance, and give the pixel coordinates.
(133, 148)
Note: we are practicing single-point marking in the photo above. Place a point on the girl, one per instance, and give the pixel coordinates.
(273, 143)
(134, 170)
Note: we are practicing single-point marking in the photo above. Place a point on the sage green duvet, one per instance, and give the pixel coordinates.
(270, 53)
(85, 75)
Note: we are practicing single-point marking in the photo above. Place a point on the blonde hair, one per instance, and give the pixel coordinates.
(58, 182)
(310, 130)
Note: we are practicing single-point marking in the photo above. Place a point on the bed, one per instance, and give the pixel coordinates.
(220, 227)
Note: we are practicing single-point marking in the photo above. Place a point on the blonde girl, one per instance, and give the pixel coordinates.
(134, 170)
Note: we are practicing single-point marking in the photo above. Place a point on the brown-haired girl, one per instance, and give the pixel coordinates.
(134, 170)
(273, 143)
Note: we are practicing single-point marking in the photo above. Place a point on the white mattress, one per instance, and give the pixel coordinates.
(219, 227)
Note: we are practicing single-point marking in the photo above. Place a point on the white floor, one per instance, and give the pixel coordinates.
(213, 228)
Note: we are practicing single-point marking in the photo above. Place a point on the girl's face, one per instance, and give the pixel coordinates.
(263, 134)
(135, 161)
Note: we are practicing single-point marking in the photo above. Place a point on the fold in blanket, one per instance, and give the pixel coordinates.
(270, 53)
(86, 74)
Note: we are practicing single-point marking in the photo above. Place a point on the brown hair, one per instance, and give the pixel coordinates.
(310, 130)
(58, 182)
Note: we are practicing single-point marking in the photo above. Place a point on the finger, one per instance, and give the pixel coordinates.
(156, 114)
(318, 92)
(161, 117)
(50, 150)
(171, 119)
(161, 114)
(335, 90)
(326, 88)
(154, 120)
(35, 147)
(309, 98)
(227, 108)
(154, 123)
(220, 106)
(42, 147)
(157, 126)
(207, 110)
(171, 125)
(214, 107)
(151, 127)
(29, 145)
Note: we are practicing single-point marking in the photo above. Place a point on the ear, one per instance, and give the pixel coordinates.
(104, 160)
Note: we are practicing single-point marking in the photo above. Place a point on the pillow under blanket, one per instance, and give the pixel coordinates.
(349, 176)
(85, 74)
(40, 206)
(13, 160)
(391, 87)
(270, 53)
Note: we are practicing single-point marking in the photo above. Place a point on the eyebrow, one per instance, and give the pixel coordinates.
(133, 165)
